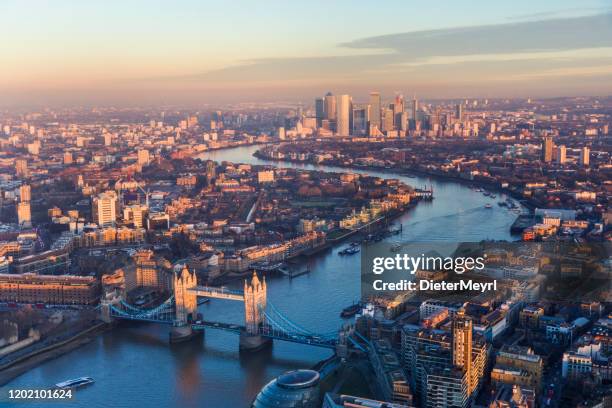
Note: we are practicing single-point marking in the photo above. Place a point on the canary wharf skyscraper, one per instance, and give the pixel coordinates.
(343, 115)
(375, 109)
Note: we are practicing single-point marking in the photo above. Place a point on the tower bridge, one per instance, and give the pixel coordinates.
(262, 321)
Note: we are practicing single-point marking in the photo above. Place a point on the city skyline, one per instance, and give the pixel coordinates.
(198, 53)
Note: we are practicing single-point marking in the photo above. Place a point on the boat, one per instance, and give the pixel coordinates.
(351, 310)
(396, 247)
(487, 205)
(75, 383)
(493, 196)
(486, 193)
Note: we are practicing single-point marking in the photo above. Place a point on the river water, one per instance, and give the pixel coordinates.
(135, 366)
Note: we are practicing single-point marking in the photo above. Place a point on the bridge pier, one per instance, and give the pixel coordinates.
(179, 334)
(253, 342)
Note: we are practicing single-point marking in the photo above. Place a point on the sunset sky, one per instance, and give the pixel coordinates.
(190, 52)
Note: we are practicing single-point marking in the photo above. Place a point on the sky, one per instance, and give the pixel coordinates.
(197, 52)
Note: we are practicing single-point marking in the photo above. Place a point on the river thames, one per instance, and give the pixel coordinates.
(135, 366)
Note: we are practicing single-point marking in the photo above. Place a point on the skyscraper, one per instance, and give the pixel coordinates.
(375, 109)
(462, 346)
(360, 120)
(398, 109)
(343, 115)
(388, 120)
(330, 107)
(459, 112)
(415, 107)
(547, 149)
(319, 111)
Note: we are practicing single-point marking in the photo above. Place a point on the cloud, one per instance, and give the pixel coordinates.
(551, 55)
(530, 36)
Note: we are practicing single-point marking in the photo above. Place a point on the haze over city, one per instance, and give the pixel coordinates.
(188, 52)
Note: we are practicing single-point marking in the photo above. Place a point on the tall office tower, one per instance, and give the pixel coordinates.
(398, 109)
(25, 193)
(143, 157)
(462, 346)
(360, 120)
(375, 109)
(585, 154)
(67, 158)
(547, 149)
(105, 208)
(329, 107)
(459, 112)
(415, 108)
(21, 168)
(561, 154)
(388, 120)
(108, 139)
(319, 111)
(24, 214)
(430, 358)
(343, 115)
(403, 125)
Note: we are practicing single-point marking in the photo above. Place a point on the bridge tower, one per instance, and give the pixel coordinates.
(185, 300)
(255, 298)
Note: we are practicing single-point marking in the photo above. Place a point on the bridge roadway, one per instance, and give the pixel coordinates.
(218, 293)
(268, 332)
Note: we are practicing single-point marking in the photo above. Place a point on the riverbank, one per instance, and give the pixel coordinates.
(15, 368)
(410, 171)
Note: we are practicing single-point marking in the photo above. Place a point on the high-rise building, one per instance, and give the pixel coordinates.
(320, 111)
(415, 108)
(388, 120)
(104, 208)
(445, 371)
(459, 112)
(343, 115)
(21, 167)
(398, 109)
(585, 154)
(25, 193)
(375, 109)
(24, 214)
(462, 346)
(330, 107)
(547, 149)
(360, 120)
(561, 154)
